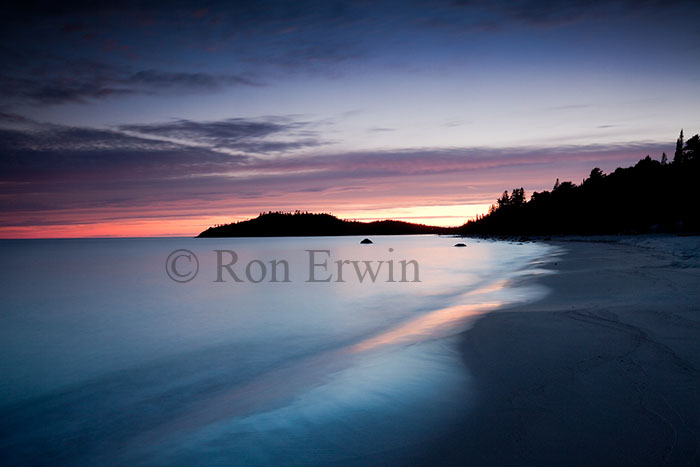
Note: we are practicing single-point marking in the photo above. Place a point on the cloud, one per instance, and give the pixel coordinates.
(83, 81)
(251, 34)
(46, 167)
(552, 13)
(9, 117)
(78, 52)
(255, 136)
(59, 174)
(569, 107)
(43, 165)
(428, 162)
(158, 80)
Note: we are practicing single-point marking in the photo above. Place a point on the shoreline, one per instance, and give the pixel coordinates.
(605, 370)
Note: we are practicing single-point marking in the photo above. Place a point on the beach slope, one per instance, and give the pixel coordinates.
(603, 371)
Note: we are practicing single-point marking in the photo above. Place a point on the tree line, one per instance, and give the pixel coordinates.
(306, 224)
(651, 196)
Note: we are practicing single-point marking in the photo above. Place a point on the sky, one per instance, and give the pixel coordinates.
(163, 118)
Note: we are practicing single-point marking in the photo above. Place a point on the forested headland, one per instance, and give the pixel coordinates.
(306, 224)
(651, 196)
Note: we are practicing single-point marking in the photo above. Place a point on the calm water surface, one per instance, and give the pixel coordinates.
(105, 359)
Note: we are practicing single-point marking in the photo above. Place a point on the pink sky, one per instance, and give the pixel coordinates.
(170, 197)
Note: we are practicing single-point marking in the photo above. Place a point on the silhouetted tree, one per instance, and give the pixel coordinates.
(692, 149)
(563, 187)
(664, 158)
(517, 198)
(596, 174)
(504, 200)
(678, 156)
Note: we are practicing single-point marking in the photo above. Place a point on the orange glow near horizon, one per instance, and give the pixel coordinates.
(190, 226)
(443, 216)
(169, 227)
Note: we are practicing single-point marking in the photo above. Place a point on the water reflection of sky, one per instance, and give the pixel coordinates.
(257, 371)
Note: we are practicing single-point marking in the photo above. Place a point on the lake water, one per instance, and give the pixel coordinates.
(106, 359)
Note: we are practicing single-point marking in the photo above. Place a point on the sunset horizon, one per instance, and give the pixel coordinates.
(145, 120)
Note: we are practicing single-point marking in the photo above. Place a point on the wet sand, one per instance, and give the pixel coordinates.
(604, 371)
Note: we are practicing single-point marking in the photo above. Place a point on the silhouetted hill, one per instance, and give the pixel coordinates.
(652, 196)
(304, 224)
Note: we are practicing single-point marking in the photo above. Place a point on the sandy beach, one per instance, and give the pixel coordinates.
(604, 371)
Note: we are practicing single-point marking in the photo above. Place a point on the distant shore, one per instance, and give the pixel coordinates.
(603, 371)
(307, 224)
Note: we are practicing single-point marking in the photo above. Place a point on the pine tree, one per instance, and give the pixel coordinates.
(504, 200)
(517, 197)
(692, 149)
(678, 156)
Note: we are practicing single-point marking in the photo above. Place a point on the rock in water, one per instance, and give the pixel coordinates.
(366, 241)
(460, 244)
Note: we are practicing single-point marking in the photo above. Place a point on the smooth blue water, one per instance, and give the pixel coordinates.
(105, 359)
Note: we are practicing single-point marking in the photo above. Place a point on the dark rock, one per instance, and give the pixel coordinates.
(460, 244)
(366, 241)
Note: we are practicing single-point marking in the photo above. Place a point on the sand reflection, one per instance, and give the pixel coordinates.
(425, 327)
